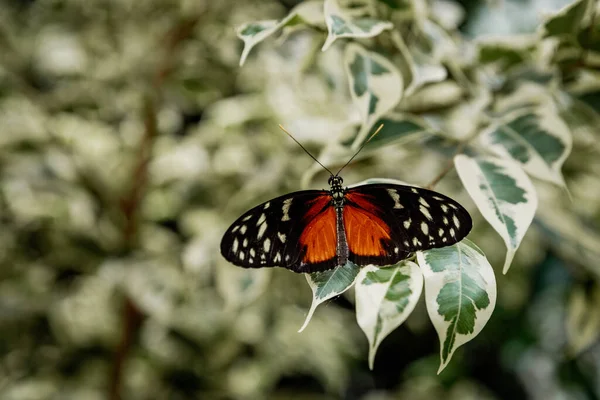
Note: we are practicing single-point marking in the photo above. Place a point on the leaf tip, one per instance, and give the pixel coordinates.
(508, 260)
(313, 307)
(328, 42)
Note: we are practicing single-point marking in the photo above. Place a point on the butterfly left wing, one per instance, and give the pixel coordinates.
(296, 231)
(384, 223)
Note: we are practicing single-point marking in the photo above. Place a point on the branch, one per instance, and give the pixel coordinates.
(130, 203)
(450, 164)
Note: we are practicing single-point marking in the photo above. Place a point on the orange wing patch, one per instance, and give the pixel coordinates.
(319, 236)
(364, 230)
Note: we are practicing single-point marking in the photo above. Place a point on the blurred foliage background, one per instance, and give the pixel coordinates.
(130, 139)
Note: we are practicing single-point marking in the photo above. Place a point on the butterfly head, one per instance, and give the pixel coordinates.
(337, 190)
(335, 181)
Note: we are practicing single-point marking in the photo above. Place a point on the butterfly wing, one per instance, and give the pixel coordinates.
(384, 222)
(296, 231)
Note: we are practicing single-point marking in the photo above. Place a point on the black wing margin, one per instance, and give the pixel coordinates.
(419, 219)
(268, 234)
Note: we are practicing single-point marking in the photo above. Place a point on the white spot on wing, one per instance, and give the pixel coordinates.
(416, 242)
(287, 257)
(425, 212)
(422, 201)
(440, 232)
(445, 221)
(245, 243)
(242, 255)
(247, 217)
(424, 228)
(261, 230)
(277, 257)
(456, 221)
(396, 197)
(235, 228)
(267, 204)
(281, 237)
(444, 208)
(250, 261)
(406, 243)
(444, 239)
(252, 252)
(243, 229)
(267, 245)
(438, 198)
(262, 219)
(287, 203)
(396, 250)
(407, 223)
(414, 190)
(235, 245)
(453, 206)
(452, 233)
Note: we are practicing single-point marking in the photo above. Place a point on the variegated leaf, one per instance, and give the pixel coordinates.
(252, 33)
(503, 194)
(341, 24)
(375, 84)
(328, 284)
(385, 297)
(537, 139)
(460, 294)
(569, 20)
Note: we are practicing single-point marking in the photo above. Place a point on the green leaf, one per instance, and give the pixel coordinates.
(328, 284)
(460, 294)
(506, 52)
(252, 33)
(537, 139)
(397, 128)
(567, 21)
(385, 297)
(341, 24)
(589, 38)
(375, 84)
(503, 194)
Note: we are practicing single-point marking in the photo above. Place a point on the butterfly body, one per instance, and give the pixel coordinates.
(316, 230)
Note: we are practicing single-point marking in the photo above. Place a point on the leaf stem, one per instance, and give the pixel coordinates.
(450, 164)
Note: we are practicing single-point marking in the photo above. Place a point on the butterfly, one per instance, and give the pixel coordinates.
(316, 230)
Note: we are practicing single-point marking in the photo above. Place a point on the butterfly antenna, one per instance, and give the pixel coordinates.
(361, 147)
(307, 152)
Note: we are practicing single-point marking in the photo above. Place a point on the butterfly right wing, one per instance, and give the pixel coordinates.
(296, 231)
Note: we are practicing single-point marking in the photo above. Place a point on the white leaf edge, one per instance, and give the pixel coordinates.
(470, 174)
(435, 281)
(331, 7)
(394, 85)
(306, 10)
(549, 121)
(317, 301)
(369, 301)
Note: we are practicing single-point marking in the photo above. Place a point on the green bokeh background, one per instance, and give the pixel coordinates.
(130, 138)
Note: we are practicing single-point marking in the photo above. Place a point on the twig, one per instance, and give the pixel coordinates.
(450, 164)
(130, 204)
(132, 316)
